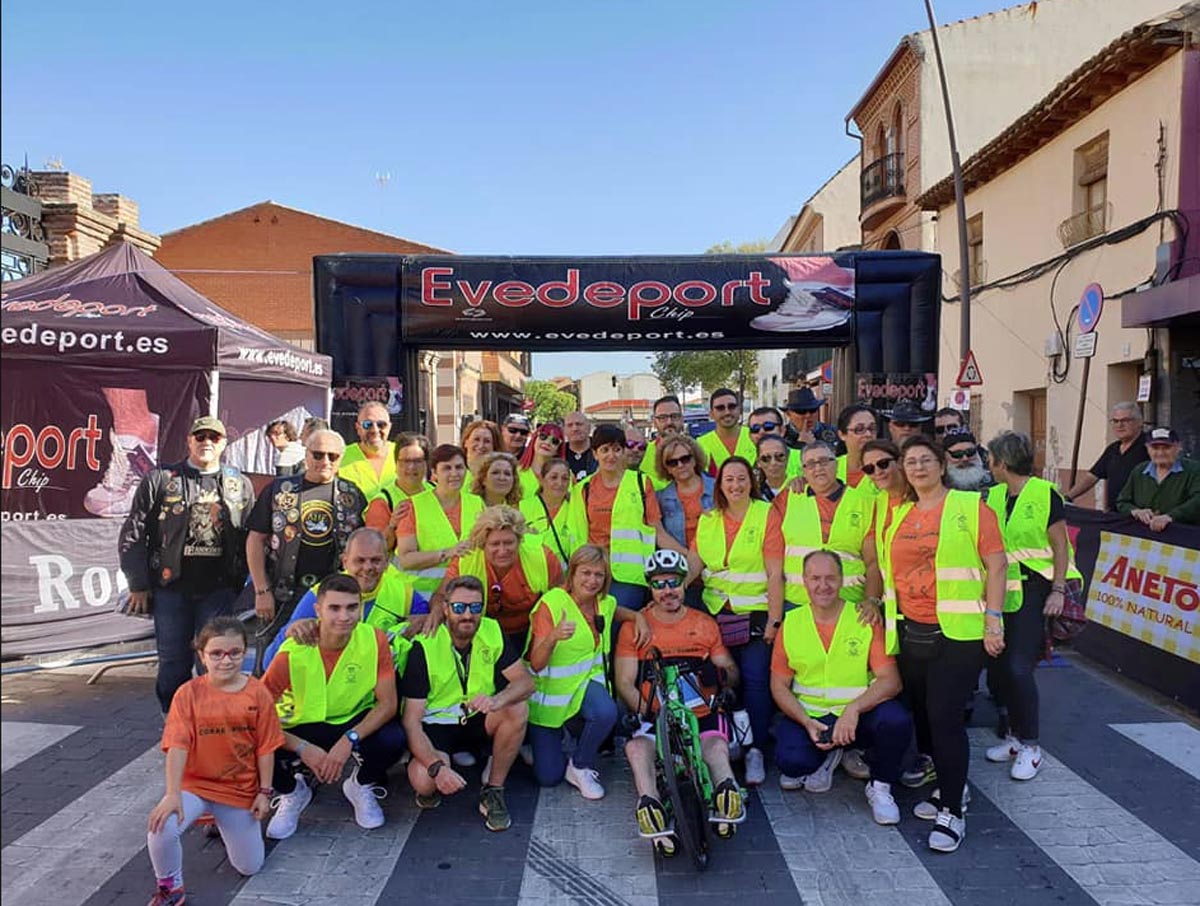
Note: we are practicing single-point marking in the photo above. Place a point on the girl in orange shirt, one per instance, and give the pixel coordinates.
(220, 738)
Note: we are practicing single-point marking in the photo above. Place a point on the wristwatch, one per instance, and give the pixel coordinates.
(776, 624)
(354, 738)
(434, 767)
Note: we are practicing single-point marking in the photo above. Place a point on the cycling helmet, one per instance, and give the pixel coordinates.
(666, 561)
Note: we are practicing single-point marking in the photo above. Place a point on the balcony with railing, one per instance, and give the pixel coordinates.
(1085, 225)
(882, 188)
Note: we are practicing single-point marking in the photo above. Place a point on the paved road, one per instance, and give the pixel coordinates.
(1114, 818)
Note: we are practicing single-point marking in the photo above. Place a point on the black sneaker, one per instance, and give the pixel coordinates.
(494, 809)
(727, 801)
(651, 816)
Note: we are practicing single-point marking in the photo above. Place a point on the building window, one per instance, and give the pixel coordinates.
(975, 263)
(1091, 210)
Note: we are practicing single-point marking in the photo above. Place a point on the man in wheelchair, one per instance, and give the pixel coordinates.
(691, 640)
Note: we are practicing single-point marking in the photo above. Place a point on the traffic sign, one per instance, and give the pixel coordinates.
(1085, 345)
(969, 374)
(961, 400)
(1091, 304)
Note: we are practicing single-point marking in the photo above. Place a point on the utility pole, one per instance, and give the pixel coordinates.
(960, 201)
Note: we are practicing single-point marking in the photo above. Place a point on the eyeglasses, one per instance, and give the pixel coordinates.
(763, 426)
(320, 455)
(962, 454)
(772, 457)
(823, 463)
(638, 445)
(880, 464)
(669, 417)
(218, 655)
(725, 407)
(461, 607)
(947, 429)
(557, 441)
(368, 425)
(519, 432)
(923, 462)
(678, 461)
(208, 435)
(861, 429)
(660, 584)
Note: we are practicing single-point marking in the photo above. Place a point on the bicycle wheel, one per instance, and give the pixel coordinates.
(683, 789)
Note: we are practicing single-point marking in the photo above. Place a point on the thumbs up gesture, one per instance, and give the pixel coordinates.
(564, 629)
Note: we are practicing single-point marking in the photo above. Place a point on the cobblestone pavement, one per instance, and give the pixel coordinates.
(1113, 818)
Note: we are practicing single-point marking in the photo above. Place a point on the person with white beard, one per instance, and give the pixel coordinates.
(965, 470)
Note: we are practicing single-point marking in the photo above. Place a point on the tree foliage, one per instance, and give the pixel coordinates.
(725, 247)
(549, 403)
(706, 368)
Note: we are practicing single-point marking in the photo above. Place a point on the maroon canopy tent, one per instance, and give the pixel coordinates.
(106, 362)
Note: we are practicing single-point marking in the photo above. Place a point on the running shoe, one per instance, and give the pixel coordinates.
(289, 808)
(1003, 751)
(168, 896)
(494, 809)
(883, 805)
(921, 773)
(948, 832)
(756, 770)
(1027, 763)
(808, 307)
(928, 810)
(855, 765)
(651, 816)
(365, 799)
(132, 459)
(586, 780)
(433, 800)
(727, 800)
(789, 783)
(821, 780)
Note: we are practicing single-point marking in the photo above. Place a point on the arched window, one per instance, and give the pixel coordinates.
(892, 241)
(896, 132)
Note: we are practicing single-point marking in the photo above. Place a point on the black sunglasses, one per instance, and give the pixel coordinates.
(325, 454)
(962, 454)
(765, 426)
(521, 432)
(660, 584)
(678, 461)
(557, 441)
(461, 607)
(772, 457)
(208, 435)
(880, 464)
(638, 445)
(948, 429)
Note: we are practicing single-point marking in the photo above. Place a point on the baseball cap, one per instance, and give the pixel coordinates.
(1162, 436)
(208, 423)
(516, 418)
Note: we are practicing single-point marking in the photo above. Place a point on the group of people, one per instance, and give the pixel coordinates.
(844, 587)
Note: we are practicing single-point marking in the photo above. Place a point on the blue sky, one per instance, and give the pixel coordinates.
(579, 127)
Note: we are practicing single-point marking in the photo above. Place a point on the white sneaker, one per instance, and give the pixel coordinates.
(821, 780)
(462, 759)
(808, 306)
(948, 832)
(928, 809)
(585, 780)
(1003, 751)
(789, 783)
(287, 815)
(883, 806)
(855, 765)
(365, 799)
(1027, 763)
(756, 769)
(132, 460)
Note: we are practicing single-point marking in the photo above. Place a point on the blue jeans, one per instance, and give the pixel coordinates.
(885, 730)
(590, 726)
(754, 664)
(178, 617)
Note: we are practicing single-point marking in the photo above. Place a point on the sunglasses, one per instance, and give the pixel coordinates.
(208, 435)
(678, 461)
(947, 429)
(880, 464)
(461, 607)
(674, 582)
(519, 432)
(773, 457)
(320, 455)
(821, 463)
(725, 407)
(962, 454)
(557, 441)
(765, 426)
(218, 655)
(368, 425)
(638, 445)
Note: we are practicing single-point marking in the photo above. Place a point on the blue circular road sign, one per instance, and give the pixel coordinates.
(1090, 306)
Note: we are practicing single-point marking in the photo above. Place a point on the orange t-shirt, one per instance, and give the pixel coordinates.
(693, 508)
(854, 476)
(278, 677)
(407, 526)
(542, 624)
(378, 514)
(600, 499)
(511, 607)
(877, 656)
(696, 635)
(914, 550)
(224, 733)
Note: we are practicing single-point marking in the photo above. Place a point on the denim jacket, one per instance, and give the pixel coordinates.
(672, 507)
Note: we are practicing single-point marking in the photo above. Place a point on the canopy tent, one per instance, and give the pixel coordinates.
(106, 362)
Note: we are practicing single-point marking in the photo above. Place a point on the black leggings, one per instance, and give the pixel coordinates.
(1011, 676)
(938, 691)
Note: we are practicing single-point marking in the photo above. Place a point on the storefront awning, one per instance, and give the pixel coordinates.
(1174, 304)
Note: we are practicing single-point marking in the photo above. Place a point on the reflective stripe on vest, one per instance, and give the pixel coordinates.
(444, 704)
(1026, 539)
(802, 536)
(630, 540)
(530, 553)
(826, 681)
(960, 573)
(717, 452)
(350, 689)
(434, 532)
(559, 687)
(737, 574)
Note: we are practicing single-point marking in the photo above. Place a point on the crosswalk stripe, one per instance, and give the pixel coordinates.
(1110, 854)
(21, 740)
(838, 855)
(589, 852)
(73, 852)
(1173, 741)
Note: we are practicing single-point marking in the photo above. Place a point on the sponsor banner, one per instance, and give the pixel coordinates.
(1148, 590)
(76, 440)
(540, 304)
(350, 393)
(62, 582)
(882, 390)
